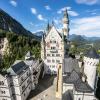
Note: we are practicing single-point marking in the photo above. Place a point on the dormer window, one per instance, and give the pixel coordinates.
(22, 79)
(27, 74)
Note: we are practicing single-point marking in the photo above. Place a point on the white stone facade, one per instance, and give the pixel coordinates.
(5, 89)
(53, 51)
(17, 83)
(84, 96)
(35, 69)
(22, 85)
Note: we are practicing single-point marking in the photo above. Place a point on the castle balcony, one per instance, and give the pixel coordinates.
(54, 51)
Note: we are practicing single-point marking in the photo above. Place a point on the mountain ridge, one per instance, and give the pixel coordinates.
(10, 24)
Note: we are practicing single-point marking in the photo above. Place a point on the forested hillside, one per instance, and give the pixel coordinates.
(19, 40)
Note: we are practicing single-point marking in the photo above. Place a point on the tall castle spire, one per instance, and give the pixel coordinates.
(65, 22)
(48, 27)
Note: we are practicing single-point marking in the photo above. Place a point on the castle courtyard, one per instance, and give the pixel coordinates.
(45, 90)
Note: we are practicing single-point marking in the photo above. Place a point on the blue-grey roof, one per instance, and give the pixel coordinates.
(75, 78)
(81, 86)
(70, 64)
(92, 53)
(18, 68)
(73, 75)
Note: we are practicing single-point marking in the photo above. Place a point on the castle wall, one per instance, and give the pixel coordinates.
(90, 66)
(84, 96)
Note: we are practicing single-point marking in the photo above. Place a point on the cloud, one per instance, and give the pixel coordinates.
(33, 10)
(88, 2)
(93, 11)
(47, 7)
(70, 11)
(31, 23)
(40, 17)
(88, 26)
(73, 13)
(13, 3)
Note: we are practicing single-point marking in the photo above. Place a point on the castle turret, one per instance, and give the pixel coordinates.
(65, 22)
(91, 59)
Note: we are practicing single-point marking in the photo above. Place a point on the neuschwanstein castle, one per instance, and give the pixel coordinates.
(74, 82)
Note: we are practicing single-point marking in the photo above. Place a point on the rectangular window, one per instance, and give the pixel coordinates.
(27, 74)
(48, 55)
(2, 92)
(58, 61)
(22, 79)
(53, 55)
(58, 55)
(53, 60)
(23, 87)
(28, 81)
(53, 48)
(53, 66)
(48, 61)
(50, 41)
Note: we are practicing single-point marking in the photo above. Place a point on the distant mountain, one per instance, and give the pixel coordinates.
(39, 33)
(73, 36)
(8, 23)
(82, 41)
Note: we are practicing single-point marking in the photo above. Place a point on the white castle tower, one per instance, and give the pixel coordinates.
(53, 45)
(65, 22)
(90, 65)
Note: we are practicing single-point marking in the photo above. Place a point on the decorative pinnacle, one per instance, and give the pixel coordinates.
(65, 13)
(52, 22)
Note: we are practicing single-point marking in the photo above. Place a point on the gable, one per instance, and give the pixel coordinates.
(53, 34)
(3, 80)
(2, 77)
